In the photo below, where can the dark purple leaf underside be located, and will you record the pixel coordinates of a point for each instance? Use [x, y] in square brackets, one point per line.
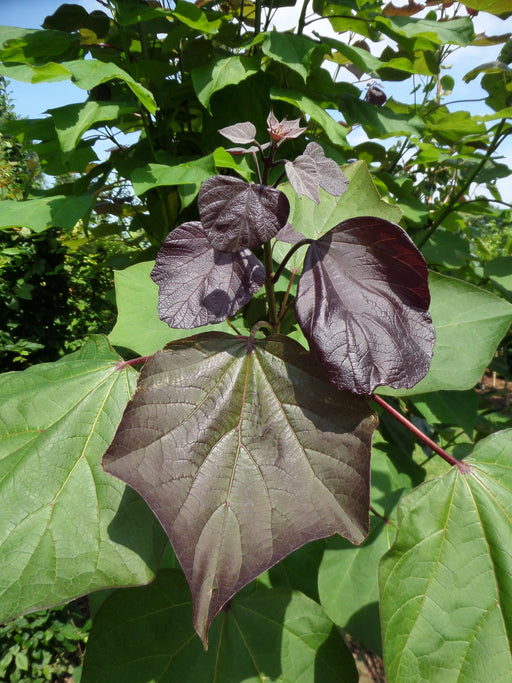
[362, 304]
[199, 285]
[236, 214]
[243, 457]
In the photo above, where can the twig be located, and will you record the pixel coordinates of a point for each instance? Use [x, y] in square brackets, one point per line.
[464, 468]
[120, 365]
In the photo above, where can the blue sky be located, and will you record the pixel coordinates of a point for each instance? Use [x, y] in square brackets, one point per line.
[34, 99]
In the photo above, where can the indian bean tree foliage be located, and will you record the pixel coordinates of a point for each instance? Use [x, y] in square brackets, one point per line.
[280, 440]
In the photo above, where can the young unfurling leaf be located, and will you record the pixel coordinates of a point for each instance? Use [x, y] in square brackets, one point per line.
[313, 170]
[284, 129]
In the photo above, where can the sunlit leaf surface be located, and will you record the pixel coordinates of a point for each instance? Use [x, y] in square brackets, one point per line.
[199, 285]
[66, 527]
[446, 584]
[362, 304]
[244, 453]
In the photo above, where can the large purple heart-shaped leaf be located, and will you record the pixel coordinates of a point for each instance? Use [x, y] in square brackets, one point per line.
[244, 452]
[199, 285]
[236, 214]
[362, 304]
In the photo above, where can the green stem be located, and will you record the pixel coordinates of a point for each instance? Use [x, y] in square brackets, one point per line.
[302, 18]
[269, 286]
[292, 251]
[454, 196]
[284, 305]
[399, 154]
[257, 17]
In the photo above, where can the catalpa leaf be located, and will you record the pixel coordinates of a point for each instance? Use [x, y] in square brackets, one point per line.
[313, 170]
[66, 528]
[240, 133]
[330, 175]
[289, 234]
[304, 177]
[362, 304]
[244, 453]
[446, 584]
[348, 586]
[199, 285]
[236, 214]
[269, 634]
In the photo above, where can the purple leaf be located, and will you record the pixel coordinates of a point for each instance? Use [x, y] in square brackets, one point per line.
[243, 454]
[241, 133]
[290, 235]
[284, 129]
[331, 177]
[199, 285]
[304, 177]
[362, 304]
[312, 170]
[236, 214]
[238, 151]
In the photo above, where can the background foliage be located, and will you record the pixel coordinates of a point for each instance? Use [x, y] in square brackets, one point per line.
[90, 192]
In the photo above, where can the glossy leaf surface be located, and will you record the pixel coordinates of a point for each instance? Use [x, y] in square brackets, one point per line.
[243, 456]
[199, 285]
[216, 75]
[187, 173]
[446, 584]
[268, 634]
[291, 50]
[193, 16]
[67, 528]
[86, 74]
[313, 220]
[138, 326]
[72, 120]
[362, 304]
[236, 214]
